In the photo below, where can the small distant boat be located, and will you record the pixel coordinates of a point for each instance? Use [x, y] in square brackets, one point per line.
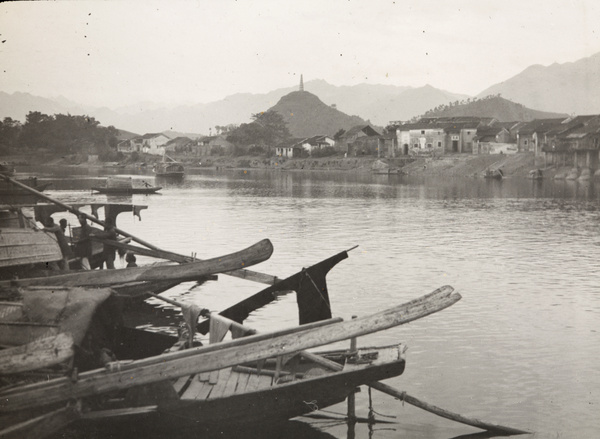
[128, 191]
[536, 174]
[169, 168]
[124, 185]
[496, 174]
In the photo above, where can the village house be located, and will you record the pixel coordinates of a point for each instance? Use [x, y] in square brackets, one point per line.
[316, 142]
[214, 145]
[529, 133]
[438, 135]
[494, 140]
[151, 143]
[359, 140]
[180, 144]
[127, 146]
[460, 135]
[290, 149]
[576, 143]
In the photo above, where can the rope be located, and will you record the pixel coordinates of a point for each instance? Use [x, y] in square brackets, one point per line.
[318, 290]
[372, 412]
[312, 405]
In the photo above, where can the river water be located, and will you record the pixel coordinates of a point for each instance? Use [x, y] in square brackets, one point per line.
[521, 347]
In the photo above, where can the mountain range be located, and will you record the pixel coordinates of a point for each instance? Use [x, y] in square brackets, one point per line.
[567, 88]
[572, 88]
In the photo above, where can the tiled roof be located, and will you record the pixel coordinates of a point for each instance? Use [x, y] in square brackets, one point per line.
[539, 126]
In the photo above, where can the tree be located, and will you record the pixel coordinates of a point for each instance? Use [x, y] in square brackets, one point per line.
[64, 133]
[268, 128]
[10, 130]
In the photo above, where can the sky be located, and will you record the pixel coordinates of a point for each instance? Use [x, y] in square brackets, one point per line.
[117, 53]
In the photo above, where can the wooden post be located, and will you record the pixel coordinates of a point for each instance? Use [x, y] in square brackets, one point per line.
[352, 396]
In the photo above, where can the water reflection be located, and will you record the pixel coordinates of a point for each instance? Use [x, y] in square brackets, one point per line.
[520, 348]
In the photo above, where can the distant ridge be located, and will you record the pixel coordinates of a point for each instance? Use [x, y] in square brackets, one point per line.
[306, 115]
[497, 107]
[570, 87]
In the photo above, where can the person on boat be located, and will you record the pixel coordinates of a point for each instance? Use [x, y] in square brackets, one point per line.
[51, 227]
[108, 251]
[130, 259]
[63, 225]
[83, 248]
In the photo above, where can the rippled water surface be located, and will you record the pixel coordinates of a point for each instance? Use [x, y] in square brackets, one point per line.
[521, 347]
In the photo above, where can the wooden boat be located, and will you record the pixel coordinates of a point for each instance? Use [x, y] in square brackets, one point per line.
[169, 168]
[252, 255]
[122, 375]
[495, 174]
[26, 249]
[536, 174]
[128, 191]
[124, 185]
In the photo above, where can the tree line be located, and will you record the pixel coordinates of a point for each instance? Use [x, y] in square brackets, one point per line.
[59, 133]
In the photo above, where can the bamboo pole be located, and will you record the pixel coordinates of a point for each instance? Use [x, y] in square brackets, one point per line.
[403, 396]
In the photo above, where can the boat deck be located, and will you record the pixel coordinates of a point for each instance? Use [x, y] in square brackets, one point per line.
[240, 380]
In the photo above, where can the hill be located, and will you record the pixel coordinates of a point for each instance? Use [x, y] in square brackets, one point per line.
[499, 108]
[378, 103]
[306, 115]
[570, 87]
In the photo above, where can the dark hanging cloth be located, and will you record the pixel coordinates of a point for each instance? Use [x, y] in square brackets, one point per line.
[311, 294]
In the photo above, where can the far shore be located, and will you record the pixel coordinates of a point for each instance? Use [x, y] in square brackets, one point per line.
[451, 165]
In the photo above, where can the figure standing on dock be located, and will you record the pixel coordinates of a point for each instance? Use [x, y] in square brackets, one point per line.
[83, 247]
[108, 251]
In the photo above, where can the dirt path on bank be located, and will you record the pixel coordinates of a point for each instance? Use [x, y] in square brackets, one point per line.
[456, 165]
[472, 165]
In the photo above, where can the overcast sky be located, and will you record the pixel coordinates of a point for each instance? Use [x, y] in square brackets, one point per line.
[118, 53]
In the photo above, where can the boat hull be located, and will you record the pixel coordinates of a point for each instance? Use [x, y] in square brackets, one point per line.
[245, 400]
[27, 246]
[127, 191]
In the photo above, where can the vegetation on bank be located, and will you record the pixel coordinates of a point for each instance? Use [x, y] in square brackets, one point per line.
[59, 135]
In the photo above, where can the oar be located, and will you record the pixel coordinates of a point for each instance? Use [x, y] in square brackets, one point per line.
[163, 254]
[403, 396]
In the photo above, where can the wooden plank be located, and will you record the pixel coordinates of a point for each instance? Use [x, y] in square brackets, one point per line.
[242, 381]
[19, 246]
[194, 389]
[213, 377]
[10, 311]
[171, 366]
[252, 255]
[41, 426]
[219, 386]
[263, 382]
[231, 385]
[38, 354]
[119, 413]
[180, 383]
[20, 333]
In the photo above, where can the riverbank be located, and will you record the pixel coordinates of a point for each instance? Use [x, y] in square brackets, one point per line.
[452, 165]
